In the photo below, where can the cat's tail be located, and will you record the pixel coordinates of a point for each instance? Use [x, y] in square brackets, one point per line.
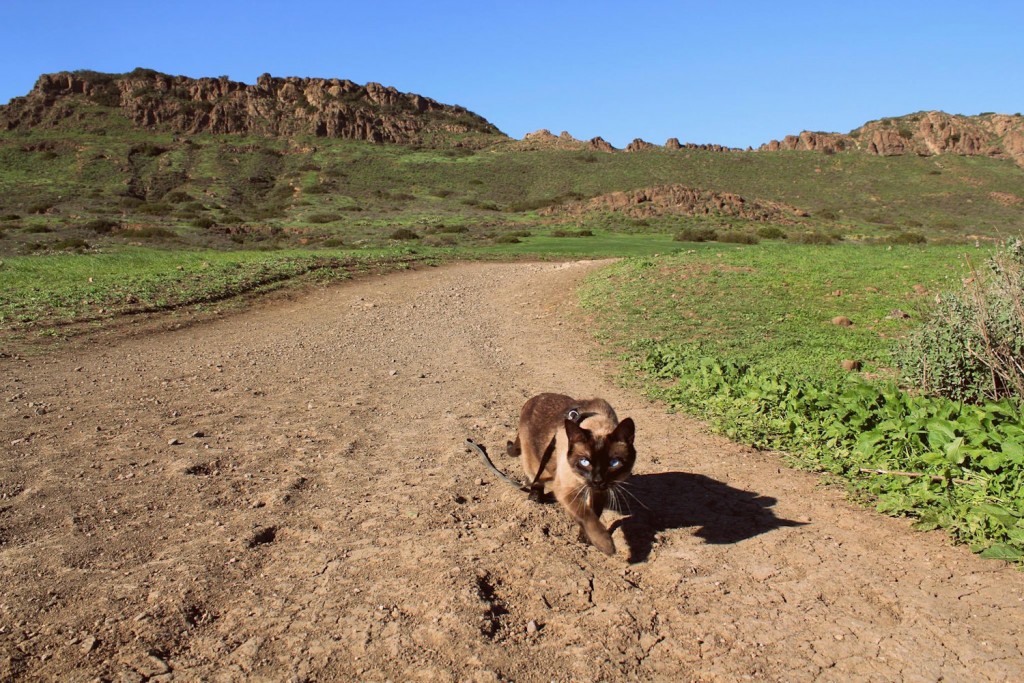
[473, 445]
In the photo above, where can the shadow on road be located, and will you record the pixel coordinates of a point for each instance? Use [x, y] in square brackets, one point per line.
[674, 500]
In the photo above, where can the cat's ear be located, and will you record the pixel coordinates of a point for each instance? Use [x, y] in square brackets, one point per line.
[625, 431]
[574, 431]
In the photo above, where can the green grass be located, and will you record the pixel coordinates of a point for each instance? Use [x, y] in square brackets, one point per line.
[771, 305]
[126, 175]
[43, 292]
[742, 338]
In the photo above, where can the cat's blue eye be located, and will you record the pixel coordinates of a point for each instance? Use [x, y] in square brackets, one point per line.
[614, 463]
[584, 462]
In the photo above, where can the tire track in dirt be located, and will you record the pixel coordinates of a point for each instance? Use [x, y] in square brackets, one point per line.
[284, 494]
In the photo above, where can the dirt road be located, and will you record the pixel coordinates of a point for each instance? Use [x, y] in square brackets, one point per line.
[284, 494]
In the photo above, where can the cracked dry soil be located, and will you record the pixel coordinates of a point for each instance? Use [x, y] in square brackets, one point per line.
[284, 494]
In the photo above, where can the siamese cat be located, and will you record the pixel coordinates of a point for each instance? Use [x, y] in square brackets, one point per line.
[581, 451]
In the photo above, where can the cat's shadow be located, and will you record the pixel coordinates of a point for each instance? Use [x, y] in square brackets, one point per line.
[676, 500]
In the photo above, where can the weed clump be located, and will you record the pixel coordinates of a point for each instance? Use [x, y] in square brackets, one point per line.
[404, 234]
[321, 218]
[693, 234]
[813, 238]
[101, 226]
[738, 237]
[972, 347]
[771, 232]
[907, 238]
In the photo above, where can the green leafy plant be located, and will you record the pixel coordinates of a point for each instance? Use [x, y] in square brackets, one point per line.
[972, 346]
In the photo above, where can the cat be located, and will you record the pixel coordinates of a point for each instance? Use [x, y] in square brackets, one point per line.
[586, 453]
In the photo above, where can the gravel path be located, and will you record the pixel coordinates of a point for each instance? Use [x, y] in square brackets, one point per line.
[284, 494]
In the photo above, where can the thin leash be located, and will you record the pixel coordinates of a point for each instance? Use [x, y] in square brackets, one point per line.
[536, 487]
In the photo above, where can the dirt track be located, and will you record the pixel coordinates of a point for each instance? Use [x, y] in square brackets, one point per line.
[284, 495]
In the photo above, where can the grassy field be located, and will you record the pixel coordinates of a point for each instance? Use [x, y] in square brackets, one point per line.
[78, 191]
[772, 305]
[743, 337]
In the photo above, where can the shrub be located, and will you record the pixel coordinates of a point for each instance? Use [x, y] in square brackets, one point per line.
[40, 207]
[828, 214]
[10, 217]
[177, 197]
[738, 237]
[37, 228]
[101, 226]
[771, 232]
[322, 217]
[404, 234]
[333, 242]
[813, 238]
[506, 239]
[452, 229]
[204, 222]
[907, 238]
[692, 234]
[151, 232]
[971, 347]
[441, 241]
[72, 243]
[154, 208]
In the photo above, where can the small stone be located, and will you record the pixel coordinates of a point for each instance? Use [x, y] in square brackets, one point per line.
[174, 442]
[842, 321]
[531, 627]
[838, 292]
[897, 314]
[88, 644]
[393, 373]
[198, 435]
[479, 481]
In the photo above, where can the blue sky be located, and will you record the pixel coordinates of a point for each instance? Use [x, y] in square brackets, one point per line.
[732, 73]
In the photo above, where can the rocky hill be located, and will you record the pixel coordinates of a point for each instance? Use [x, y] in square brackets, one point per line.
[272, 107]
[924, 133]
[680, 200]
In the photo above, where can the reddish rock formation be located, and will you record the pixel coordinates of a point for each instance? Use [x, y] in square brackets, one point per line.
[544, 139]
[925, 133]
[639, 145]
[683, 201]
[272, 107]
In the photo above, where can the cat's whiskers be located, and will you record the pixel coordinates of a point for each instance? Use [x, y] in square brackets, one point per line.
[623, 486]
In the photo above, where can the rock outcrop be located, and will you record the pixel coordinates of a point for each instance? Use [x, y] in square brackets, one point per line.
[272, 107]
[639, 145]
[680, 200]
[545, 139]
[924, 133]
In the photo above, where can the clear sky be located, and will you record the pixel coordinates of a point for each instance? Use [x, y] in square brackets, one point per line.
[732, 73]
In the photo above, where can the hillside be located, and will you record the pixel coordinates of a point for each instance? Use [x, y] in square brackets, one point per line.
[92, 161]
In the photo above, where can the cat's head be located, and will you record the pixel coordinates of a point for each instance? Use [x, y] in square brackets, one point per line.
[601, 460]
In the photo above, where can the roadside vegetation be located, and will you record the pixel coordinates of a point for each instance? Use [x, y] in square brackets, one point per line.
[754, 339]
